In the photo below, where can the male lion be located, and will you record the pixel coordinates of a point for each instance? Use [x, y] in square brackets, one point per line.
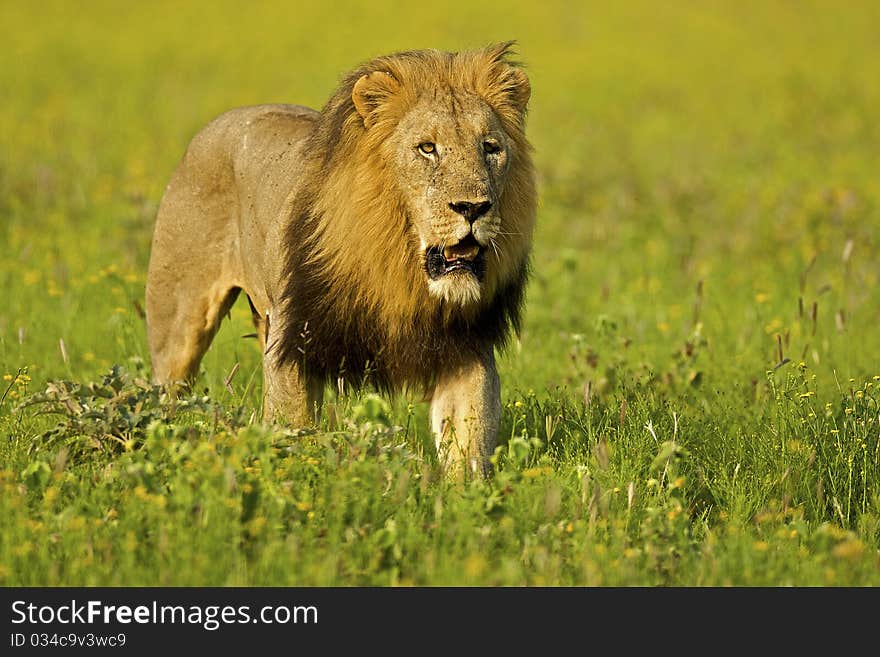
[384, 240]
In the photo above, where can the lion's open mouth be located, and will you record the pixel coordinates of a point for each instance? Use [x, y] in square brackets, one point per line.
[465, 257]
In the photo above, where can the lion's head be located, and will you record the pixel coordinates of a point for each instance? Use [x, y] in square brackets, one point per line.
[451, 133]
[446, 148]
[422, 196]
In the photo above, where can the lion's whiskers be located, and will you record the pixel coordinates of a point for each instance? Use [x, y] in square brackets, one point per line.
[495, 248]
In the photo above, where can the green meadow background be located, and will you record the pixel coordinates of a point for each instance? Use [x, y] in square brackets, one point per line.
[693, 399]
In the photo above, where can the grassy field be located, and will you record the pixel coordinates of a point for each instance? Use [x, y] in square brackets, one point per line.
[694, 399]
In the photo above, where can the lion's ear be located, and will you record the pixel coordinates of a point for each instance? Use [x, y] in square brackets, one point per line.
[518, 87]
[510, 86]
[506, 87]
[371, 91]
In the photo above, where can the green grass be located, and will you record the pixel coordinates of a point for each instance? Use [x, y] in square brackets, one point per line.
[705, 266]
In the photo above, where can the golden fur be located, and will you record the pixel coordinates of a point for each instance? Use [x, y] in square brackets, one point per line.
[333, 223]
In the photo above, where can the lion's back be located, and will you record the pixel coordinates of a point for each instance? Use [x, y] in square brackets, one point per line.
[227, 192]
[246, 138]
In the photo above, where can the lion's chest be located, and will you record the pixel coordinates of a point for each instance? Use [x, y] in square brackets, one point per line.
[333, 334]
[363, 349]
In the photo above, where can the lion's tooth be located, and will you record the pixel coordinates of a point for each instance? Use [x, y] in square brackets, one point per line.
[458, 252]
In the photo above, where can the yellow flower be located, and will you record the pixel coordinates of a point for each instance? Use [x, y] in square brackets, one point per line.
[774, 326]
[761, 546]
[474, 565]
[762, 297]
[849, 549]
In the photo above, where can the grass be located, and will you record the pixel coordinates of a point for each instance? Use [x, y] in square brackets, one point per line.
[693, 400]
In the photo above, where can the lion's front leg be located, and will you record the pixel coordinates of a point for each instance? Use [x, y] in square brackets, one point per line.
[289, 395]
[465, 412]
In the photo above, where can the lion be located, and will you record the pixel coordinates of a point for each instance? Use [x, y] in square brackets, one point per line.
[382, 241]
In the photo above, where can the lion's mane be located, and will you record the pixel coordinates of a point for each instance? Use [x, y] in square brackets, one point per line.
[356, 303]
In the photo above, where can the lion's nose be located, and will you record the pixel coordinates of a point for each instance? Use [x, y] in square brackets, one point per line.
[470, 210]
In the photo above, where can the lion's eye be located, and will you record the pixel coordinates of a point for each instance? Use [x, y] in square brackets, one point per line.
[428, 148]
[491, 147]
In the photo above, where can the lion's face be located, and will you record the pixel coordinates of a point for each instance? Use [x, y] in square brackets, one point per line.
[450, 156]
[441, 157]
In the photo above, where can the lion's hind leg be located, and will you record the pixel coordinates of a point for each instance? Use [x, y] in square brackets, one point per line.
[182, 319]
